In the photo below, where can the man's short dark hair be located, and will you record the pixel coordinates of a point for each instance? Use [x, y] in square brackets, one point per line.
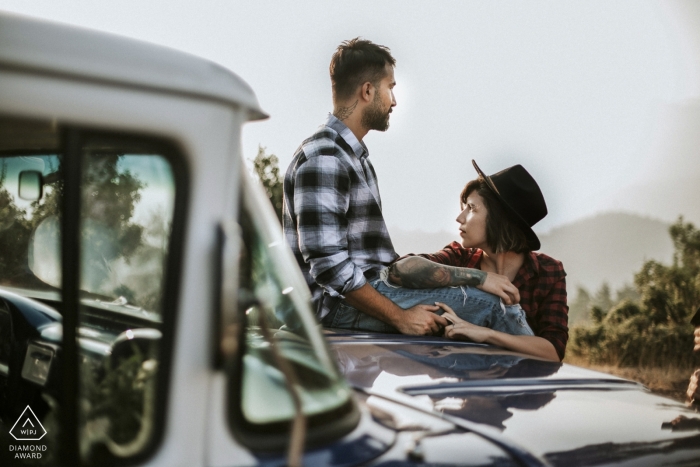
[355, 62]
[502, 233]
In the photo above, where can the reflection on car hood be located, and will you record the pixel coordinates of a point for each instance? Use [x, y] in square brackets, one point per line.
[567, 415]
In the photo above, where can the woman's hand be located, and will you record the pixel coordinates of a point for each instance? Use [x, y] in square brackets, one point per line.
[530, 345]
[500, 286]
[697, 339]
[460, 329]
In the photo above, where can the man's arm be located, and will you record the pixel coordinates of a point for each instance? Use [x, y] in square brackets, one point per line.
[418, 320]
[321, 199]
[416, 272]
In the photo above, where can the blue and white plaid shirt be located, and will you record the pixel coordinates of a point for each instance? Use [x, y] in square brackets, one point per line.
[333, 215]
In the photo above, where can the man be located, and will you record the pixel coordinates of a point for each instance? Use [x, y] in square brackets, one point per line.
[332, 208]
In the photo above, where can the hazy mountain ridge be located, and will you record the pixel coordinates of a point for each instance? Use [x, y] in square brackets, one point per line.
[608, 247]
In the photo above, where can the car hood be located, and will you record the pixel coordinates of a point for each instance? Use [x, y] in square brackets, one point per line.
[561, 413]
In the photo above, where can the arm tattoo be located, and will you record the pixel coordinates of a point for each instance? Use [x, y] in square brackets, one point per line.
[341, 113]
[416, 272]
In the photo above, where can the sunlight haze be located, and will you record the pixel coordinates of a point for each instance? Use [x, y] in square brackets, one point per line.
[578, 92]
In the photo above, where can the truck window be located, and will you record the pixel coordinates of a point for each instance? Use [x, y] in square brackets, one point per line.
[274, 300]
[5, 344]
[126, 223]
[127, 207]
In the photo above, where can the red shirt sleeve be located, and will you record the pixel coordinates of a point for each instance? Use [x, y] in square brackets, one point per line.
[553, 317]
[452, 255]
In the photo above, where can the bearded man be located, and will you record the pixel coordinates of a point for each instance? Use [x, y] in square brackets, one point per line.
[332, 212]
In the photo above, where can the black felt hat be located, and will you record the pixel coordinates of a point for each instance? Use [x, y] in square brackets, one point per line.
[520, 195]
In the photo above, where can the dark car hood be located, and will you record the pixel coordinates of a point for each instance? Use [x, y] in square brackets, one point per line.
[567, 415]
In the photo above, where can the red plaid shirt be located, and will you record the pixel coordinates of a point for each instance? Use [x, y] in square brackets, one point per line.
[542, 285]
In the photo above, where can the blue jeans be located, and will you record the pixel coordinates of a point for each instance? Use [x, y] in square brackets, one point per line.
[470, 304]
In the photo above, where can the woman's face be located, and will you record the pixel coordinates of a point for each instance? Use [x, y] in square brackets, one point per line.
[472, 222]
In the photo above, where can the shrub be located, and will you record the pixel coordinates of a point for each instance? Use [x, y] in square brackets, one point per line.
[653, 331]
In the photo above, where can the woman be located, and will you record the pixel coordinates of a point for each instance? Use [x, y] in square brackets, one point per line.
[495, 225]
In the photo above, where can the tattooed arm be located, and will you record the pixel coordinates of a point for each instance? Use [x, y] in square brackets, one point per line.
[416, 272]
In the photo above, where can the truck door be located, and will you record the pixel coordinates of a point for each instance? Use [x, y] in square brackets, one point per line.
[91, 234]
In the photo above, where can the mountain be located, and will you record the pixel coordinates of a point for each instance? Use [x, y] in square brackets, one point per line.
[608, 247]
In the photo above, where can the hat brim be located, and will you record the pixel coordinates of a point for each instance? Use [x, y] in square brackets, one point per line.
[533, 243]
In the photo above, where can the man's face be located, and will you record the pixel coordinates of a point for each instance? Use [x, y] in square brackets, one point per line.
[376, 115]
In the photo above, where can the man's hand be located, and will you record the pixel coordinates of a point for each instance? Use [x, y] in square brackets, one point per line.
[421, 320]
[697, 339]
[500, 286]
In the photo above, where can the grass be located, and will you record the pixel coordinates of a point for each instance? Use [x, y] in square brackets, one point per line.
[670, 382]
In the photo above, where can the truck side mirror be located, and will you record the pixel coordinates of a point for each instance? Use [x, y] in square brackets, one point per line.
[31, 185]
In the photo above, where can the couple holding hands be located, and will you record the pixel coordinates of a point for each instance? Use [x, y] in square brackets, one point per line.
[491, 287]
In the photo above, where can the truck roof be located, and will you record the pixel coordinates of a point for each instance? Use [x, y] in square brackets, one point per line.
[28, 44]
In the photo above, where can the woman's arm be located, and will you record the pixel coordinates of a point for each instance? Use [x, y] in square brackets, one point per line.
[531, 345]
[416, 272]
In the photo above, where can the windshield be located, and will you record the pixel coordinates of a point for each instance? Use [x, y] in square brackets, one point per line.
[126, 215]
[281, 337]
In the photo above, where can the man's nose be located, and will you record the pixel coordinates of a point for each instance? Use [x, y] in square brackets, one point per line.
[393, 99]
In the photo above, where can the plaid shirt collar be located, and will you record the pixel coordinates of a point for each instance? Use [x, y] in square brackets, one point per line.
[527, 271]
[358, 147]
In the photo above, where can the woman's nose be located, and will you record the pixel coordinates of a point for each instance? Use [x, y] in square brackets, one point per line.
[460, 217]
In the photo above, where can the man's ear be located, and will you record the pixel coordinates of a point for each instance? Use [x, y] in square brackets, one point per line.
[367, 92]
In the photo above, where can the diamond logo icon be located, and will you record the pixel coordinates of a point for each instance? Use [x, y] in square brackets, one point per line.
[28, 427]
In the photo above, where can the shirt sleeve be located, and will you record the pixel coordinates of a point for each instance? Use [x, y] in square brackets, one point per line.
[322, 199]
[553, 319]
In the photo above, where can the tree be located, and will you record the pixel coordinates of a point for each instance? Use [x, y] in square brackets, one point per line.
[109, 197]
[579, 309]
[649, 326]
[266, 167]
[14, 235]
[603, 298]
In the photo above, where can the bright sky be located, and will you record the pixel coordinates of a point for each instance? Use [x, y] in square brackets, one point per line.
[571, 90]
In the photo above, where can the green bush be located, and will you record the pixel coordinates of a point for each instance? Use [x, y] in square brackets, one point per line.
[648, 326]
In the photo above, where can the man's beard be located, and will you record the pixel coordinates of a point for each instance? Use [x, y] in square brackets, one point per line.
[374, 117]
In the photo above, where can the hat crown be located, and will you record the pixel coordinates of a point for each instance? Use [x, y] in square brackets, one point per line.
[521, 193]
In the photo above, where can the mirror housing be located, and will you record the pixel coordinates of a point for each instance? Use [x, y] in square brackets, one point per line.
[31, 185]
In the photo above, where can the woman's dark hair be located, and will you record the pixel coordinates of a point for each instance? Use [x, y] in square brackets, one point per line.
[355, 62]
[502, 232]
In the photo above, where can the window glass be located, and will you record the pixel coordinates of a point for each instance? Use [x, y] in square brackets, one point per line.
[275, 302]
[5, 342]
[126, 220]
[128, 195]
[25, 146]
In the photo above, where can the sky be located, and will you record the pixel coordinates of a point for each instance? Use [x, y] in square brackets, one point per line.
[573, 90]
